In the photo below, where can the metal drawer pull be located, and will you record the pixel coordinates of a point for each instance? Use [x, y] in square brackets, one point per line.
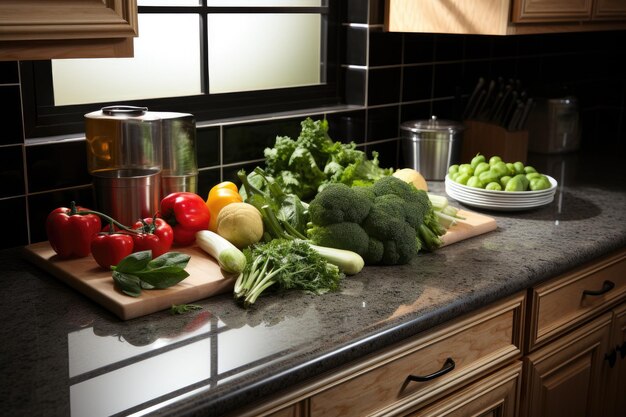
[611, 358]
[606, 287]
[447, 367]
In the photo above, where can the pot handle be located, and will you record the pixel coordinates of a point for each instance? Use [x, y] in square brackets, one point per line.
[124, 110]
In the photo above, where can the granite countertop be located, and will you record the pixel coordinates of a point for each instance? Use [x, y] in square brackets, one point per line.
[62, 354]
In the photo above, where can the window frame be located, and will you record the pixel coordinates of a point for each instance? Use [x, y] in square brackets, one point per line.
[43, 119]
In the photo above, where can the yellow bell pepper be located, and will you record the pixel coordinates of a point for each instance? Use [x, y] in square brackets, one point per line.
[220, 196]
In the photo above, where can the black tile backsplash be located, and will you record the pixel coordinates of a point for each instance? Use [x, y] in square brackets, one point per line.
[9, 72]
[208, 147]
[57, 165]
[12, 174]
[15, 231]
[10, 115]
[383, 85]
[246, 142]
[388, 77]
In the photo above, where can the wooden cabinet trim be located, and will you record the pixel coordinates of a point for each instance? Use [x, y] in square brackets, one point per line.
[544, 328]
[55, 29]
[541, 11]
[67, 19]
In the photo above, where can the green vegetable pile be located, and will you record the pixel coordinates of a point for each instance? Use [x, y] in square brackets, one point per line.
[386, 223]
[139, 271]
[283, 264]
[304, 166]
[498, 175]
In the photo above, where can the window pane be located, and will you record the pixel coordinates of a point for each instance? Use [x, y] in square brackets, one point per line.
[166, 64]
[265, 3]
[263, 51]
[168, 2]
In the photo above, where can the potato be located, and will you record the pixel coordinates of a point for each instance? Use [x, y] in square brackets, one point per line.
[412, 177]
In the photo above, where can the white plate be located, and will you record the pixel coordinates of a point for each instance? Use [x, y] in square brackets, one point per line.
[500, 200]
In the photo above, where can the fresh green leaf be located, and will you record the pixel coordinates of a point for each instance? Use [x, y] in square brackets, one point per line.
[134, 262]
[128, 284]
[176, 259]
[162, 277]
[138, 271]
[184, 308]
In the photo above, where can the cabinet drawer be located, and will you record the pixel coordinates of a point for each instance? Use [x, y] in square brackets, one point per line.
[567, 301]
[380, 385]
[496, 394]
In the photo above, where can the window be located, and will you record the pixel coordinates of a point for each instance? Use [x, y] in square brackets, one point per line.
[211, 58]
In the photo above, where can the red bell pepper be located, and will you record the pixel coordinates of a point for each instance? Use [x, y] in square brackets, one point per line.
[156, 236]
[187, 213]
[70, 233]
[110, 248]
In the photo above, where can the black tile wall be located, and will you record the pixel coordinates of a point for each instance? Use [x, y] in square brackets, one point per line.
[388, 77]
[45, 172]
[10, 115]
[12, 174]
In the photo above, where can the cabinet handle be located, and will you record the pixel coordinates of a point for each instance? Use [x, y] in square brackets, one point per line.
[606, 287]
[622, 350]
[447, 367]
[611, 357]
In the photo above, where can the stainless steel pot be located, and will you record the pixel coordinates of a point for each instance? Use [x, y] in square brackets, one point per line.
[431, 146]
[137, 157]
[124, 159]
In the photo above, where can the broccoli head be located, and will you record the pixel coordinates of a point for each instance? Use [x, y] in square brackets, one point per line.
[345, 235]
[386, 223]
[338, 203]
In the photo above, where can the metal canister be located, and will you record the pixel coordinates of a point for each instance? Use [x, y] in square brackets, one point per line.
[554, 126]
[431, 146]
[179, 167]
[124, 155]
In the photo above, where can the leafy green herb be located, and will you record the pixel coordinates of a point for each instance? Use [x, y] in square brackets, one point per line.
[139, 271]
[284, 264]
[183, 308]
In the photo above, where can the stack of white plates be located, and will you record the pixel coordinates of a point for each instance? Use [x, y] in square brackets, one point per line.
[500, 200]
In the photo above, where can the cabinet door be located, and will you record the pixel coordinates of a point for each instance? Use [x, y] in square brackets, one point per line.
[46, 29]
[565, 377]
[542, 11]
[609, 10]
[493, 395]
[616, 403]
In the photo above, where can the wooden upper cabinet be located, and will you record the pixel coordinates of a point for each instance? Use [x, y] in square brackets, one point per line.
[609, 10]
[537, 11]
[504, 17]
[46, 29]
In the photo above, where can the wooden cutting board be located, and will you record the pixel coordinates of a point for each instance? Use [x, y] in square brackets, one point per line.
[474, 224]
[205, 279]
[205, 276]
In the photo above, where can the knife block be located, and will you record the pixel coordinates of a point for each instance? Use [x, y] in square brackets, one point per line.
[489, 139]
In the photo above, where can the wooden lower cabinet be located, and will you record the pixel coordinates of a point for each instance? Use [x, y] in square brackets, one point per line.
[616, 387]
[565, 377]
[496, 395]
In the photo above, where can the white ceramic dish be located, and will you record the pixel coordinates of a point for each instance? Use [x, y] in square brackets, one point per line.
[500, 200]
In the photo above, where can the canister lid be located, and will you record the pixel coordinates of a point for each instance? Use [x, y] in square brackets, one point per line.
[432, 125]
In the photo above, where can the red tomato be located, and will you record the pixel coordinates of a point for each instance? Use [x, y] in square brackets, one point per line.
[157, 237]
[110, 248]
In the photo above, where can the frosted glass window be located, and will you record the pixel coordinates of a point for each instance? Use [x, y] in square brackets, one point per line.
[168, 2]
[166, 64]
[263, 51]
